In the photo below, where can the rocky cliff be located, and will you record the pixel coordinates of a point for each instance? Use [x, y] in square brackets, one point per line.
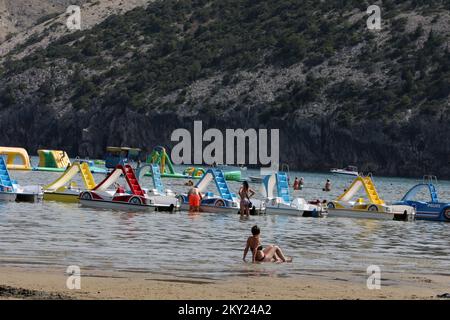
[20, 15]
[339, 93]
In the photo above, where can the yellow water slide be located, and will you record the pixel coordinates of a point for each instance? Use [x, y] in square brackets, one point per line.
[369, 188]
[12, 154]
[69, 174]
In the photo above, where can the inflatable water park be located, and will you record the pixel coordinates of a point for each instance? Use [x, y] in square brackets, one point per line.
[160, 157]
[49, 160]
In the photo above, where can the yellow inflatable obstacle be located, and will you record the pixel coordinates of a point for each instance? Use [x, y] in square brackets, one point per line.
[12, 154]
[53, 159]
[194, 172]
[59, 191]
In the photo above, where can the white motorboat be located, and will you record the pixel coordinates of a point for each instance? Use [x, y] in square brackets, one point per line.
[347, 171]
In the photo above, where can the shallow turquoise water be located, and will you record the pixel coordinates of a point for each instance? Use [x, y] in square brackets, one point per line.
[211, 245]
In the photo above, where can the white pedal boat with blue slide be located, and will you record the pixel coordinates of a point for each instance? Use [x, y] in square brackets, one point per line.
[224, 202]
[10, 190]
[158, 195]
[282, 203]
[7, 194]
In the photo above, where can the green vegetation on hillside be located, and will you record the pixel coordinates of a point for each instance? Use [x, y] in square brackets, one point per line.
[133, 60]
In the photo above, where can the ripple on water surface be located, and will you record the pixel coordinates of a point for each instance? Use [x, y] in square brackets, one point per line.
[211, 245]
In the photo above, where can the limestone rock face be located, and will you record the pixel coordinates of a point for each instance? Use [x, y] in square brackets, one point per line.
[138, 70]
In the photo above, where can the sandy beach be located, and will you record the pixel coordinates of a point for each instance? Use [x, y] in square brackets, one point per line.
[21, 283]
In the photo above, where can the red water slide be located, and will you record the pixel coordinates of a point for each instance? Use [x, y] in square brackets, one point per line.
[130, 177]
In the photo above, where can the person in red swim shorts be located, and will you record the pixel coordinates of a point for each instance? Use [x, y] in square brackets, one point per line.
[195, 198]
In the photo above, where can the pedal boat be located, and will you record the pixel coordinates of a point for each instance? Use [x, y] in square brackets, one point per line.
[224, 202]
[64, 189]
[282, 203]
[157, 193]
[371, 208]
[134, 199]
[431, 210]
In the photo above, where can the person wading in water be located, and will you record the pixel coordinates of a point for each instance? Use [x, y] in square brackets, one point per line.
[245, 193]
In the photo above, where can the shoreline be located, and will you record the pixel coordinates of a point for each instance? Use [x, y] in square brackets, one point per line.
[48, 284]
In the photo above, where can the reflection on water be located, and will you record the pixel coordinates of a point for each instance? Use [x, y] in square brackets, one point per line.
[211, 245]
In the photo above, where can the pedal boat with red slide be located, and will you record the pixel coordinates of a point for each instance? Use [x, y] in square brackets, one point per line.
[132, 199]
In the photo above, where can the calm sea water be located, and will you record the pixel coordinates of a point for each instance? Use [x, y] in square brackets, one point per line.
[211, 245]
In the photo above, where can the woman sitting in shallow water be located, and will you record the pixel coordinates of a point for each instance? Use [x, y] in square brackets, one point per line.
[259, 254]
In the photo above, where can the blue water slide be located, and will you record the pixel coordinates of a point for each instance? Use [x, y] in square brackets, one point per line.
[222, 185]
[283, 187]
[433, 193]
[156, 177]
[220, 181]
[5, 178]
[411, 194]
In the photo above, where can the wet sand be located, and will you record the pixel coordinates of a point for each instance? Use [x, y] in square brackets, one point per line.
[22, 283]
